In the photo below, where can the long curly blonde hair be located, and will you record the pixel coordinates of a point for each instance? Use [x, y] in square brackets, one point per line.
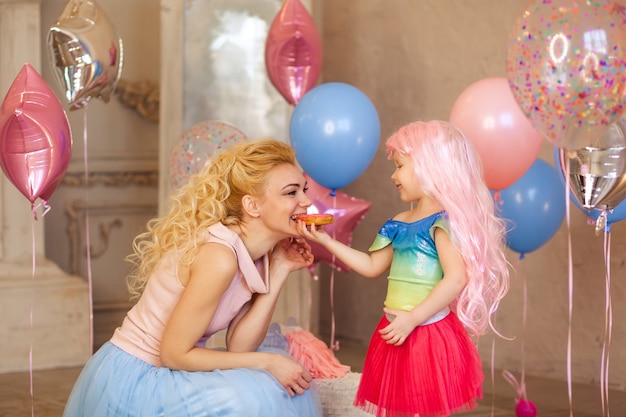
[212, 195]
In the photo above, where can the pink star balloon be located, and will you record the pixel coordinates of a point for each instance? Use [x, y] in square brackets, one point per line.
[348, 212]
[293, 51]
[35, 137]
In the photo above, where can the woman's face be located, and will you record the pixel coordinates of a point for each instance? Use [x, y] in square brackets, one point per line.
[284, 197]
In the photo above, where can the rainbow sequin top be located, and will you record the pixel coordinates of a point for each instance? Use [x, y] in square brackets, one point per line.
[415, 268]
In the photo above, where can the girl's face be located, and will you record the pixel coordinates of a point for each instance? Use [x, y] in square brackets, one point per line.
[405, 179]
[285, 196]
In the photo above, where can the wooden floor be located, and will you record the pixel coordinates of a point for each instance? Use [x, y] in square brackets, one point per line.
[51, 389]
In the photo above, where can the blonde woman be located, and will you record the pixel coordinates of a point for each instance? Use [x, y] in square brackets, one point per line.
[217, 260]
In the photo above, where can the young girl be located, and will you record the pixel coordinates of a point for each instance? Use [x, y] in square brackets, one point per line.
[218, 260]
[447, 270]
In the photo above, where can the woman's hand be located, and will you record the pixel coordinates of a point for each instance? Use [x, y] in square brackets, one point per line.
[396, 332]
[289, 373]
[293, 253]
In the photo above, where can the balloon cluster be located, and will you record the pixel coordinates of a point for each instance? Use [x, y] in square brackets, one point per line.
[526, 188]
[566, 79]
[566, 65]
[334, 128]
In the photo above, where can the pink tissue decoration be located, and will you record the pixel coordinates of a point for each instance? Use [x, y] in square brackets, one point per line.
[313, 354]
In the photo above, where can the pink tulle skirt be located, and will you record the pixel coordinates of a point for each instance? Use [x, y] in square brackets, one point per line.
[435, 372]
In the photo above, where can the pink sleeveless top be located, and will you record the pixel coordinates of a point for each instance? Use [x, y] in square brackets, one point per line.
[142, 329]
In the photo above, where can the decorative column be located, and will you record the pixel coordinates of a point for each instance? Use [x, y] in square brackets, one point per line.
[58, 333]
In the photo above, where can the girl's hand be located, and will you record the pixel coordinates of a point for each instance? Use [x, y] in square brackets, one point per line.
[399, 329]
[289, 373]
[313, 233]
[294, 253]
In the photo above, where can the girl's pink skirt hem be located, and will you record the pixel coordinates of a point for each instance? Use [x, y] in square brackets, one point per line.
[436, 372]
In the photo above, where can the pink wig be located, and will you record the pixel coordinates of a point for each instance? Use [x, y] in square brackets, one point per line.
[450, 171]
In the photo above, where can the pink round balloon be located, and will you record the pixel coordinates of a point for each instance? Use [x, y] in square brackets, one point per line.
[197, 145]
[35, 136]
[566, 62]
[293, 51]
[505, 139]
[348, 212]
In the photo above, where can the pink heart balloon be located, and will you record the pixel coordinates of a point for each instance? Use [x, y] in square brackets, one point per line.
[348, 212]
[293, 51]
[35, 136]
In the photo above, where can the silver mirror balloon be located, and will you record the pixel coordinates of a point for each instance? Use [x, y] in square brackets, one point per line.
[597, 173]
[85, 52]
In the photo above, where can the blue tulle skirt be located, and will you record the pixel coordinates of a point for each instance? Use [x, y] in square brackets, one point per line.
[114, 383]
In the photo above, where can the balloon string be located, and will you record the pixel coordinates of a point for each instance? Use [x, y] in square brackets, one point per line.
[299, 306]
[570, 281]
[520, 387]
[32, 302]
[334, 345]
[493, 374]
[310, 308]
[523, 339]
[46, 207]
[34, 207]
[87, 234]
[608, 325]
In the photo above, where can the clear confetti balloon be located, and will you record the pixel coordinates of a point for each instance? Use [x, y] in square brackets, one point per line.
[197, 145]
[566, 65]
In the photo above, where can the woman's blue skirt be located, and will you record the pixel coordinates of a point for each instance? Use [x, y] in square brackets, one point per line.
[114, 383]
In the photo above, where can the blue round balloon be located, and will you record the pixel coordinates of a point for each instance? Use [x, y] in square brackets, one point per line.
[616, 214]
[534, 207]
[335, 131]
